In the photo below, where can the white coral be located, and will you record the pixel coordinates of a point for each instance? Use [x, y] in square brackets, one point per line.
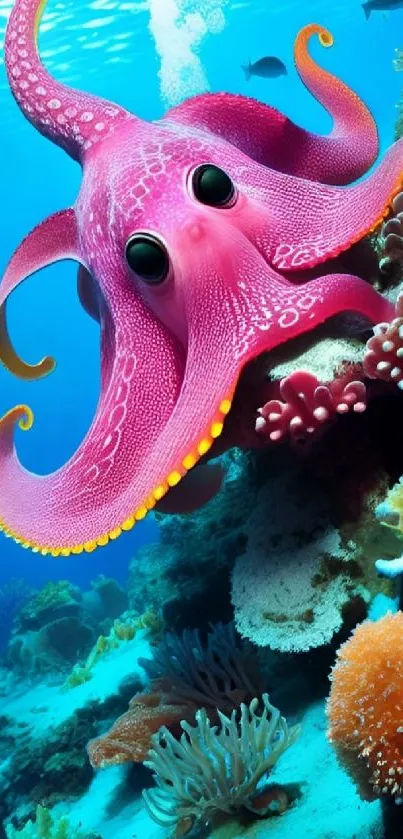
[291, 584]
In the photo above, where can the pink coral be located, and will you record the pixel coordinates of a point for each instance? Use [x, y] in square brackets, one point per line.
[384, 354]
[306, 404]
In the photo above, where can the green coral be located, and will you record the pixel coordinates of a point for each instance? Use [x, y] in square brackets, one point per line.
[52, 594]
[124, 629]
[46, 826]
[82, 673]
[55, 599]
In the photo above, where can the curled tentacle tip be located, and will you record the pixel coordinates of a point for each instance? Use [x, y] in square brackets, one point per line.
[21, 414]
[26, 420]
[326, 38]
[33, 372]
[45, 366]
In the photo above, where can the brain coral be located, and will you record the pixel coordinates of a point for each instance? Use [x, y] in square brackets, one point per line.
[365, 707]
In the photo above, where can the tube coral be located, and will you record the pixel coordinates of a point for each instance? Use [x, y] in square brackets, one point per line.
[365, 707]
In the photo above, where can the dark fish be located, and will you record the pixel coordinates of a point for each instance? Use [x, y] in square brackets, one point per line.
[268, 67]
[381, 6]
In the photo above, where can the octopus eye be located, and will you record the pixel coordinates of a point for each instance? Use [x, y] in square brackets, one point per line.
[147, 258]
[213, 186]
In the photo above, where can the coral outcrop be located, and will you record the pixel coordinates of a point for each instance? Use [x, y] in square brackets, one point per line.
[59, 624]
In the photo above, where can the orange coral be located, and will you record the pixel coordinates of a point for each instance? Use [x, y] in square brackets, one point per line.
[365, 706]
[130, 736]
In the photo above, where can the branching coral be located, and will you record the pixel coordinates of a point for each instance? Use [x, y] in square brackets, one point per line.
[306, 404]
[366, 704]
[215, 768]
[384, 354]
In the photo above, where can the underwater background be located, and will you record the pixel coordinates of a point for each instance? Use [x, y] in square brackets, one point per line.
[74, 631]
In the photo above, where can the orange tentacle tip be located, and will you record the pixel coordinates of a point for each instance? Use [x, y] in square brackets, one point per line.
[21, 414]
[326, 38]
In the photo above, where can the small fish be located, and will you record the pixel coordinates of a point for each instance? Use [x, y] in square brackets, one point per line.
[268, 67]
[381, 6]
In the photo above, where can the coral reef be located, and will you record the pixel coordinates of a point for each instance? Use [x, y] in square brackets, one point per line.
[365, 707]
[383, 359]
[190, 593]
[49, 649]
[55, 600]
[47, 826]
[218, 768]
[44, 732]
[184, 676]
[124, 629]
[391, 510]
[390, 240]
[314, 576]
[129, 738]
[113, 599]
[13, 595]
[221, 670]
[60, 623]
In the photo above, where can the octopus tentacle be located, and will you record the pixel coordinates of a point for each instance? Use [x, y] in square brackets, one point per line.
[352, 146]
[292, 232]
[90, 499]
[51, 241]
[272, 139]
[130, 457]
[72, 119]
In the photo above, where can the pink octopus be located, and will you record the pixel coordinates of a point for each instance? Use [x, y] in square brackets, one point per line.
[204, 240]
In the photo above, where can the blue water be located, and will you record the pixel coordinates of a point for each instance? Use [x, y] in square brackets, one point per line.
[108, 48]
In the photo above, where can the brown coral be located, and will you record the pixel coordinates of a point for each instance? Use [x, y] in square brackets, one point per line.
[130, 736]
[365, 706]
